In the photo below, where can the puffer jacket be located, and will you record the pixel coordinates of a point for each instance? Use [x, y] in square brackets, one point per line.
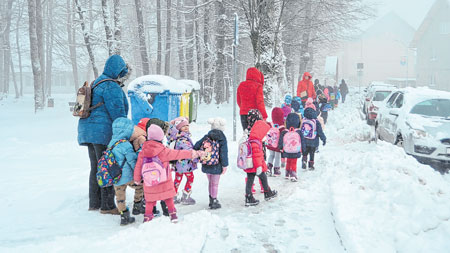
[124, 153]
[277, 121]
[306, 85]
[97, 128]
[215, 135]
[184, 142]
[138, 138]
[292, 121]
[258, 132]
[250, 93]
[312, 114]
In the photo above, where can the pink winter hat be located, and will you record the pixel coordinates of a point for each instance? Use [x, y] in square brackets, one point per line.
[181, 123]
[155, 133]
[309, 104]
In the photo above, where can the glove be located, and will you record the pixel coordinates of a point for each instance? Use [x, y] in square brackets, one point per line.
[195, 154]
[258, 170]
[137, 183]
[224, 169]
[324, 142]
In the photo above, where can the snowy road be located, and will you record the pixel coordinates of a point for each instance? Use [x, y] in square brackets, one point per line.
[362, 197]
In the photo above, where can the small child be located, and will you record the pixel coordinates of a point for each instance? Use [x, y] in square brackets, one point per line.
[257, 134]
[213, 172]
[274, 161]
[311, 131]
[287, 101]
[292, 143]
[162, 190]
[297, 107]
[186, 167]
[253, 116]
[126, 157]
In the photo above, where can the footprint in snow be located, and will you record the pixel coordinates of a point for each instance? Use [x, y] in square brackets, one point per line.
[270, 248]
[280, 223]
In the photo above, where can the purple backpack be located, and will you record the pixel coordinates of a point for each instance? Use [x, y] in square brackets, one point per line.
[185, 165]
[292, 142]
[309, 128]
[153, 171]
[273, 137]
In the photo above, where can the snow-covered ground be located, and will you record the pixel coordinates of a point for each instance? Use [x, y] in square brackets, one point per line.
[362, 197]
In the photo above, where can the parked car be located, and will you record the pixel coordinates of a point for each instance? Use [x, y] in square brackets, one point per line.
[418, 119]
[365, 98]
[377, 99]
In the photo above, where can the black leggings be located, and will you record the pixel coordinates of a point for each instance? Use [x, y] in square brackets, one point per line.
[251, 179]
[309, 150]
[244, 122]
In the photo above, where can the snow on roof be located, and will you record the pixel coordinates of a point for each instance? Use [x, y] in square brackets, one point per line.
[192, 83]
[157, 84]
[331, 65]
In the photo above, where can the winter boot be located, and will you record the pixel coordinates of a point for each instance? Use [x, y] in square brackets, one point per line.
[176, 200]
[138, 208]
[311, 165]
[148, 218]
[269, 170]
[214, 203]
[304, 162]
[164, 208]
[293, 176]
[173, 218]
[250, 200]
[156, 212]
[113, 211]
[125, 218]
[288, 174]
[276, 171]
[186, 198]
[270, 194]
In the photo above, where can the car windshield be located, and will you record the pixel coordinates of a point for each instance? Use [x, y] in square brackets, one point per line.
[433, 108]
[381, 95]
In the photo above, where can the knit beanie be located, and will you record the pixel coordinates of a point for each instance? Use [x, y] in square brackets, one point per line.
[310, 104]
[296, 106]
[143, 123]
[155, 133]
[288, 99]
[180, 124]
[217, 123]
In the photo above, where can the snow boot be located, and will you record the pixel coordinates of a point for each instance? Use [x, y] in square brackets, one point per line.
[156, 212]
[214, 203]
[186, 198]
[113, 211]
[276, 171]
[148, 218]
[311, 165]
[173, 218]
[138, 208]
[176, 200]
[125, 218]
[269, 170]
[250, 200]
[293, 176]
[288, 174]
[304, 163]
[164, 208]
[270, 194]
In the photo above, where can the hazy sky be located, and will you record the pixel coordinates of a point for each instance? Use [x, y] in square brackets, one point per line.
[412, 11]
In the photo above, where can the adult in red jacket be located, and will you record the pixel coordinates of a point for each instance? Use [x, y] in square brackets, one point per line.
[305, 88]
[250, 95]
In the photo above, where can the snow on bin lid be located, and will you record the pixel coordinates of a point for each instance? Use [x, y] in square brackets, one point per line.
[157, 84]
[192, 83]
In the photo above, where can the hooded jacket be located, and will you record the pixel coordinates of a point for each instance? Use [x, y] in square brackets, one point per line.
[258, 132]
[306, 85]
[164, 190]
[97, 128]
[312, 114]
[123, 129]
[184, 142]
[250, 93]
[277, 120]
[216, 135]
[343, 88]
[292, 121]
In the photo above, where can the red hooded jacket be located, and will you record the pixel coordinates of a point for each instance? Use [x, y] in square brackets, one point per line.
[250, 93]
[306, 85]
[258, 132]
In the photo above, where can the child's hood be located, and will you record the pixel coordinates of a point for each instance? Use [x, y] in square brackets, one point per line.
[216, 135]
[122, 128]
[259, 130]
[138, 132]
[310, 113]
[152, 148]
[292, 120]
[278, 116]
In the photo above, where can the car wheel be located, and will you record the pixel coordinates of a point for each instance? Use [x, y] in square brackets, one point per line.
[399, 140]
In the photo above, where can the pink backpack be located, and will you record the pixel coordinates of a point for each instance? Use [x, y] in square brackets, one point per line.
[153, 171]
[245, 154]
[273, 136]
[292, 143]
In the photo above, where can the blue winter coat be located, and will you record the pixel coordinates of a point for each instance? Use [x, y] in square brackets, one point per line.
[97, 128]
[292, 121]
[216, 135]
[312, 114]
[123, 129]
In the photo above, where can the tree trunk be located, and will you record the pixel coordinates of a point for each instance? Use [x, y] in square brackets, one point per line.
[220, 46]
[168, 38]
[206, 88]
[13, 73]
[117, 28]
[40, 41]
[86, 39]
[7, 47]
[35, 63]
[158, 31]
[189, 38]
[198, 44]
[49, 51]
[181, 40]
[304, 46]
[141, 33]
[19, 54]
[108, 31]
[71, 43]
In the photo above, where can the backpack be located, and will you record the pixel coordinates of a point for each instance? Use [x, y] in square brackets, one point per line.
[108, 171]
[184, 143]
[292, 143]
[309, 128]
[211, 147]
[153, 171]
[273, 137]
[82, 107]
[245, 154]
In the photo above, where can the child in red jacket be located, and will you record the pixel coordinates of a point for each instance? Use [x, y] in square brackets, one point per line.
[257, 134]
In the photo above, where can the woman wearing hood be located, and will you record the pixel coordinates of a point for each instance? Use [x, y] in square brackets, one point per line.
[305, 88]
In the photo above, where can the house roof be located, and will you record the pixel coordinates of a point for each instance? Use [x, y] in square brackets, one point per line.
[392, 24]
[429, 18]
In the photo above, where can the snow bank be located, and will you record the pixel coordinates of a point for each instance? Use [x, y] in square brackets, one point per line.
[157, 84]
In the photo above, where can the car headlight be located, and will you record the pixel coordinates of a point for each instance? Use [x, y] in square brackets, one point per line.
[417, 133]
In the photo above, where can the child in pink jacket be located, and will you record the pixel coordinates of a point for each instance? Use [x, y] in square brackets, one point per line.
[165, 190]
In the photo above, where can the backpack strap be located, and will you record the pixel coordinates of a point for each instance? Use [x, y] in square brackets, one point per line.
[93, 86]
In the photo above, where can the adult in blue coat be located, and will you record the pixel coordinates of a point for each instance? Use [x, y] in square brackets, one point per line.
[95, 131]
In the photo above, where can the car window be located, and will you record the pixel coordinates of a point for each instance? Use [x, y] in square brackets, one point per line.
[381, 95]
[399, 101]
[391, 100]
[433, 108]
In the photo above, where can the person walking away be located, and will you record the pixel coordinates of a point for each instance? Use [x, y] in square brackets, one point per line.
[95, 131]
[344, 90]
[253, 116]
[214, 171]
[305, 88]
[311, 132]
[291, 143]
[274, 161]
[250, 95]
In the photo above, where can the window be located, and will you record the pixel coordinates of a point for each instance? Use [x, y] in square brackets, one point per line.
[433, 108]
[433, 80]
[399, 101]
[381, 95]
[391, 100]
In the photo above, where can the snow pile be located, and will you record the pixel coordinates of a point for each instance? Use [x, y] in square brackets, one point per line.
[157, 84]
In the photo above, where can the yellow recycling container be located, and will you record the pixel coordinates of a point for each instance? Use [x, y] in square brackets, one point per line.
[184, 105]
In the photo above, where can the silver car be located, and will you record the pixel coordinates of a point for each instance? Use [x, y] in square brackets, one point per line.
[419, 121]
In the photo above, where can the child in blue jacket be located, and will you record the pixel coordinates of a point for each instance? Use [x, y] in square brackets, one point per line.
[311, 131]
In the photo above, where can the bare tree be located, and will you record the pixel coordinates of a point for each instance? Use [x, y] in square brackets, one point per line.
[141, 33]
[108, 32]
[40, 40]
[220, 58]
[206, 87]
[159, 34]
[168, 37]
[6, 47]
[189, 41]
[20, 7]
[198, 43]
[117, 28]
[180, 38]
[72, 43]
[49, 47]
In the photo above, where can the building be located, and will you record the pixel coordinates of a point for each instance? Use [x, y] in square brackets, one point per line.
[432, 43]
